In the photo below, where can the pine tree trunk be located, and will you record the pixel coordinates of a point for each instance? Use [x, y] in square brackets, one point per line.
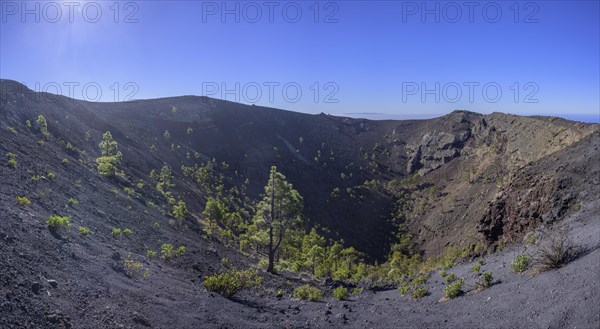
[270, 269]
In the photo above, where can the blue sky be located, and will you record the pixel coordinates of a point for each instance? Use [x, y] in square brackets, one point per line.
[361, 58]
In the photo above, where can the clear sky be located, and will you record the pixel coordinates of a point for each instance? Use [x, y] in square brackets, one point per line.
[375, 59]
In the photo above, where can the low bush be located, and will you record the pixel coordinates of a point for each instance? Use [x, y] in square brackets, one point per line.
[231, 282]
[420, 280]
[521, 263]
[485, 280]
[168, 251]
[151, 253]
[476, 268]
[357, 291]
[420, 292]
[556, 253]
[403, 289]
[51, 176]
[73, 202]
[84, 231]
[452, 290]
[23, 201]
[134, 268]
[451, 277]
[59, 222]
[116, 232]
[12, 159]
[127, 232]
[306, 292]
[340, 293]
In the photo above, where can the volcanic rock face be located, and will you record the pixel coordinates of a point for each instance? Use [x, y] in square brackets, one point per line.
[543, 192]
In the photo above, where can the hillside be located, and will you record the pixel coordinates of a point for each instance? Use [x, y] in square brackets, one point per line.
[465, 181]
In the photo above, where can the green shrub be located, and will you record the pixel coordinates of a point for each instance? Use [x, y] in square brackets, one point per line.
[116, 232]
[59, 222]
[420, 280]
[521, 263]
[127, 232]
[65, 161]
[485, 281]
[41, 120]
[307, 292]
[224, 261]
[340, 293]
[151, 253]
[51, 176]
[404, 288]
[420, 292]
[451, 277]
[73, 202]
[134, 268]
[179, 210]
[168, 251]
[452, 290]
[12, 159]
[231, 282]
[443, 273]
[476, 268]
[35, 178]
[23, 201]
[84, 230]
[357, 291]
[28, 123]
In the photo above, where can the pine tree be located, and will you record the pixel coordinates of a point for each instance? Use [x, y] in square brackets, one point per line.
[278, 213]
[111, 157]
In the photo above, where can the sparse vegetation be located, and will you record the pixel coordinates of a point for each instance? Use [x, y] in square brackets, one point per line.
[23, 201]
[357, 291]
[116, 232]
[127, 232]
[306, 292]
[41, 121]
[340, 293]
[485, 280]
[59, 222]
[51, 176]
[151, 253]
[168, 251]
[476, 268]
[556, 252]
[134, 268]
[73, 202]
[453, 289]
[420, 292]
[231, 282]
[403, 288]
[84, 231]
[451, 277]
[180, 211]
[12, 159]
[521, 263]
